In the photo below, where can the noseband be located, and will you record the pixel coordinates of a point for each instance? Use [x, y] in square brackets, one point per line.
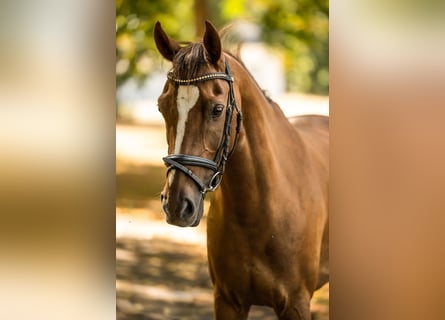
[217, 165]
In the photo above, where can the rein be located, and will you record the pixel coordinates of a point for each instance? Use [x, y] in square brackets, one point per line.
[217, 165]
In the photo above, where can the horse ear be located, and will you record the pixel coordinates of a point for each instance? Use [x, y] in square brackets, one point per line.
[212, 43]
[166, 46]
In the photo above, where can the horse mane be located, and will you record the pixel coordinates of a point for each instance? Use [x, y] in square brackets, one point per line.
[190, 60]
[238, 59]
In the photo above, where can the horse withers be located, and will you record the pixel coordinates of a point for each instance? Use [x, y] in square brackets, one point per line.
[267, 225]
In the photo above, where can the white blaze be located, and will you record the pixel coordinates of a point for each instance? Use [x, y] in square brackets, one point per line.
[185, 101]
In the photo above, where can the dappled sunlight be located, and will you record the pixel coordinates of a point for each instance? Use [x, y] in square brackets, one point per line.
[161, 278]
[145, 228]
[141, 145]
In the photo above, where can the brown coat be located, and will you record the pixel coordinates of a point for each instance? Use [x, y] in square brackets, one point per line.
[268, 225]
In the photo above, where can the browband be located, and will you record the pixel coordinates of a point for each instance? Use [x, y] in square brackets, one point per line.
[206, 77]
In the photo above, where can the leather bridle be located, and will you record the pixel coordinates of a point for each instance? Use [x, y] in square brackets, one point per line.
[217, 165]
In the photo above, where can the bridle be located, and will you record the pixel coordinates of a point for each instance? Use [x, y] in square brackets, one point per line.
[217, 165]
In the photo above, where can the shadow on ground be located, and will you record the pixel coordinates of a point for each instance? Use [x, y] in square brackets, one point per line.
[161, 279]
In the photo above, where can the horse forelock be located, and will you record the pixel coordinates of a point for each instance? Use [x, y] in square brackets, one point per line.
[189, 61]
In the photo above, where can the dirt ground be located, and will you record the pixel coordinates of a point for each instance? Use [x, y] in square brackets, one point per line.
[161, 270]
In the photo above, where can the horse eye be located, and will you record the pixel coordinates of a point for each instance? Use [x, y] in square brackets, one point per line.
[217, 110]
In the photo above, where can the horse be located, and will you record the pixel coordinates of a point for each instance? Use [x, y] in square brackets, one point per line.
[267, 225]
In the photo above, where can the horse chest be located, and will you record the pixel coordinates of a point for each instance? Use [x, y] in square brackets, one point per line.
[252, 271]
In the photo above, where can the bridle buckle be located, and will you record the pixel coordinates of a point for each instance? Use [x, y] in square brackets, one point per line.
[215, 181]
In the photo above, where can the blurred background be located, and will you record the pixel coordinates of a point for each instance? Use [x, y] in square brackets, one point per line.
[161, 270]
[58, 150]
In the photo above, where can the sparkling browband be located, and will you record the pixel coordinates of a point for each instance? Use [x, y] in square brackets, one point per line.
[210, 76]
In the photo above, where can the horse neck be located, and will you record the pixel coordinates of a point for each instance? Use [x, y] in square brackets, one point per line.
[265, 138]
[256, 108]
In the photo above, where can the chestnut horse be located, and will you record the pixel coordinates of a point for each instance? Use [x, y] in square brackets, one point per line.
[267, 226]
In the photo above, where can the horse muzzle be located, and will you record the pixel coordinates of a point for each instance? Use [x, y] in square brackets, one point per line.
[182, 210]
[182, 199]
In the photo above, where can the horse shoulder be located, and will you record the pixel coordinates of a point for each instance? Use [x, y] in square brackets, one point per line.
[314, 132]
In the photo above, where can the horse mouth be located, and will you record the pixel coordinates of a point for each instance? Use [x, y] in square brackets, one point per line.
[198, 217]
[191, 222]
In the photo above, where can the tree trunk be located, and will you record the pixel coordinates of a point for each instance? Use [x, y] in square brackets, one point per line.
[203, 11]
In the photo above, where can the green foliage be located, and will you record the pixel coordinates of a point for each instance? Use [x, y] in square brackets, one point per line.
[298, 28]
[301, 29]
[136, 54]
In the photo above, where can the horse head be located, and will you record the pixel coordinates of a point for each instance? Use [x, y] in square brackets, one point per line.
[197, 103]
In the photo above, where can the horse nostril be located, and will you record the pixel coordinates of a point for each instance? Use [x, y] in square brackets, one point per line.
[188, 209]
[162, 197]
